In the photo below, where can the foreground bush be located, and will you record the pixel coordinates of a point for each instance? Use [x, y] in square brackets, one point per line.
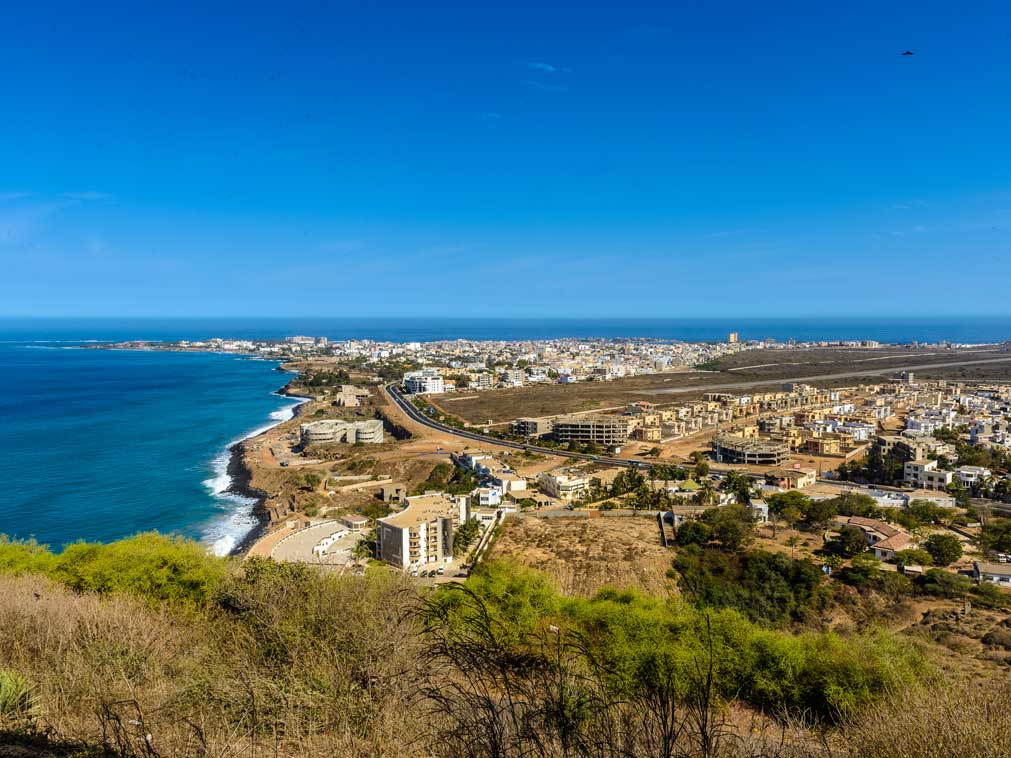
[209, 658]
[149, 565]
[625, 633]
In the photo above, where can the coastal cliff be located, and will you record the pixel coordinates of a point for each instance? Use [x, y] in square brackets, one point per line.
[242, 470]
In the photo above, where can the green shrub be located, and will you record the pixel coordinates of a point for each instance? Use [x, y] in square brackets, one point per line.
[17, 695]
[945, 549]
[150, 565]
[635, 638]
[946, 584]
[769, 588]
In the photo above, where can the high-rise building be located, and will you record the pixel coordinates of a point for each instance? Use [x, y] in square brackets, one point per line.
[733, 338]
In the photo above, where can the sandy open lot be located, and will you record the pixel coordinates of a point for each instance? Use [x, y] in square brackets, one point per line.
[584, 554]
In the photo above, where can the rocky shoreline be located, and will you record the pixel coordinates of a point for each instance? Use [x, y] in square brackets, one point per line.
[241, 476]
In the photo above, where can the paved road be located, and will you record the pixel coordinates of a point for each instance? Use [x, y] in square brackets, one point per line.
[822, 377]
[397, 396]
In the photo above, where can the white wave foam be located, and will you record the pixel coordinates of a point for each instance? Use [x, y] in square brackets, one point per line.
[237, 519]
[235, 522]
[221, 481]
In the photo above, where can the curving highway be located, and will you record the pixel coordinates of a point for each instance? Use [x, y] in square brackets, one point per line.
[397, 396]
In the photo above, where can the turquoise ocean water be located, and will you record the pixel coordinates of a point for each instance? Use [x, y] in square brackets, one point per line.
[98, 444]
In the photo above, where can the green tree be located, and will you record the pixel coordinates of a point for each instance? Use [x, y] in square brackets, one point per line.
[848, 542]
[791, 542]
[706, 494]
[925, 511]
[366, 547]
[819, 513]
[856, 504]
[464, 537]
[786, 506]
[780, 501]
[792, 516]
[732, 525]
[945, 549]
[996, 535]
[864, 570]
[739, 485]
[946, 584]
[914, 556]
[693, 533]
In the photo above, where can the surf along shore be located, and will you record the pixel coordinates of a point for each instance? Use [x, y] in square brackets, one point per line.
[241, 473]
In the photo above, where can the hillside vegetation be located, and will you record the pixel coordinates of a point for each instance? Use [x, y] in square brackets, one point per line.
[149, 646]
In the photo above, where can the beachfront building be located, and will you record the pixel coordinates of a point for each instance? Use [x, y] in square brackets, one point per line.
[422, 533]
[425, 382]
[606, 431]
[330, 431]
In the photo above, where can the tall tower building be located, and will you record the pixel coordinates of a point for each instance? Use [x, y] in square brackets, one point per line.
[733, 338]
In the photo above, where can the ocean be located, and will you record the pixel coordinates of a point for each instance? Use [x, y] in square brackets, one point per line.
[101, 444]
[98, 445]
[972, 329]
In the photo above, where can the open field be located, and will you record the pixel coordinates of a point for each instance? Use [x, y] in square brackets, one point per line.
[784, 364]
[584, 554]
[752, 370]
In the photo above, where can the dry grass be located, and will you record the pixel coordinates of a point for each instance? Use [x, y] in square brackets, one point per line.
[581, 555]
[964, 718]
[291, 664]
[114, 672]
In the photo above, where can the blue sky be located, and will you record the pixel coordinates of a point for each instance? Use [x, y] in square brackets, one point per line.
[452, 159]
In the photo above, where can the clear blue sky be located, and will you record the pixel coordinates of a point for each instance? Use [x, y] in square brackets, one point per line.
[734, 158]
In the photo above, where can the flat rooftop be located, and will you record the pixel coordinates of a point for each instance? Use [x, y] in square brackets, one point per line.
[421, 509]
[745, 444]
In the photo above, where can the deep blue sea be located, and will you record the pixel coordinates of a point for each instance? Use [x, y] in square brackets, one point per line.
[98, 444]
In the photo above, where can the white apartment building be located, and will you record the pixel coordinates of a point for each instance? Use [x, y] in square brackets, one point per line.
[486, 497]
[858, 430]
[425, 382]
[508, 482]
[969, 475]
[422, 533]
[562, 486]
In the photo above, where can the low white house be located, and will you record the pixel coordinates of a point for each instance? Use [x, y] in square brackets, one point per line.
[992, 573]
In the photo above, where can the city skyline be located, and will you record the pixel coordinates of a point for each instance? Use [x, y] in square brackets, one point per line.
[478, 162]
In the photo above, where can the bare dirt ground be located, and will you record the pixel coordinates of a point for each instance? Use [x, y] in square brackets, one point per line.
[582, 555]
[753, 370]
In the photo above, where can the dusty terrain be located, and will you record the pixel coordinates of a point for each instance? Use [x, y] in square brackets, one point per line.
[584, 554]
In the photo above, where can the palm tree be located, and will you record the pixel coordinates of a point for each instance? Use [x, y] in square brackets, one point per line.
[792, 542]
[707, 494]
